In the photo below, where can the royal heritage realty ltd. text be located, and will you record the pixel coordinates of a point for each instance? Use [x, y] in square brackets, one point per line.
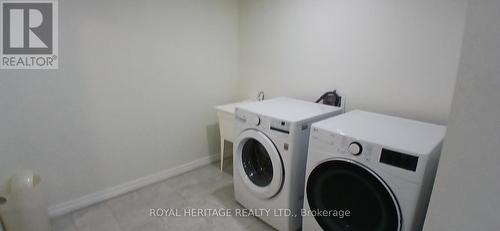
[242, 212]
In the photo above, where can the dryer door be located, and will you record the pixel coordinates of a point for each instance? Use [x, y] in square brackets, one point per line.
[337, 186]
[259, 163]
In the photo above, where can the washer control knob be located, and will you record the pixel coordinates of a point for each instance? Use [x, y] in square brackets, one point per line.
[355, 148]
[254, 120]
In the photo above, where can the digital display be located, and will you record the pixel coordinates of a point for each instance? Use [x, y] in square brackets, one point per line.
[399, 160]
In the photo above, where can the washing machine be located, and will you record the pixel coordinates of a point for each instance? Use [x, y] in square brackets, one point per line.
[270, 157]
[367, 171]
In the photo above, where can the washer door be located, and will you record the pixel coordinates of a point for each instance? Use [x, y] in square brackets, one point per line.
[346, 185]
[259, 163]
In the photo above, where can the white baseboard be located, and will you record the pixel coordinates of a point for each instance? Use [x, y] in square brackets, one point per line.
[106, 194]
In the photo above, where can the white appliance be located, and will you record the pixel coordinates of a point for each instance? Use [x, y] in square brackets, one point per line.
[270, 157]
[367, 171]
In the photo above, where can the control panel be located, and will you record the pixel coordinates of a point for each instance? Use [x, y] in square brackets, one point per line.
[254, 120]
[391, 160]
[364, 151]
[355, 148]
[280, 126]
[398, 159]
[251, 119]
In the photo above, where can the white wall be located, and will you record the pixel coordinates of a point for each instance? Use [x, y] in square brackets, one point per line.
[393, 56]
[133, 94]
[467, 187]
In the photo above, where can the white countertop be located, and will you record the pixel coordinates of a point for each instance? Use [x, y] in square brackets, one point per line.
[289, 109]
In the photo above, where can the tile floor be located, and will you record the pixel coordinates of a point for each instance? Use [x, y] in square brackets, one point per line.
[206, 187]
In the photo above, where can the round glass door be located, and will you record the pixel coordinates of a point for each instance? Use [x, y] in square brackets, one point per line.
[259, 163]
[345, 185]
